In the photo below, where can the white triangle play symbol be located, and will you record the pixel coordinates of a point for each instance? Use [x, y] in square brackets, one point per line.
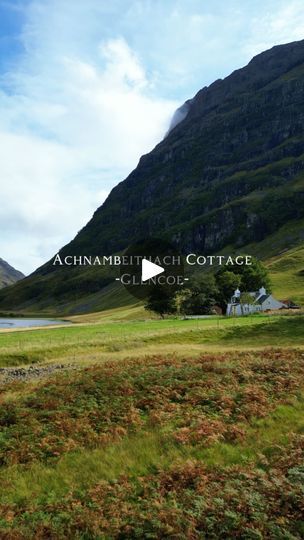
[149, 270]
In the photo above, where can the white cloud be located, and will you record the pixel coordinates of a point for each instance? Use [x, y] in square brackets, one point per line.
[93, 91]
[278, 23]
[122, 64]
[68, 133]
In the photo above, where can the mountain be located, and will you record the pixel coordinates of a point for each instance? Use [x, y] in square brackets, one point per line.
[8, 274]
[230, 172]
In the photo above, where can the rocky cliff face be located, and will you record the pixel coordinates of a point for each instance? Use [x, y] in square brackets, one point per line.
[8, 274]
[230, 172]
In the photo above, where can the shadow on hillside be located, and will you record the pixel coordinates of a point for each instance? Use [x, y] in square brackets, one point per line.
[289, 329]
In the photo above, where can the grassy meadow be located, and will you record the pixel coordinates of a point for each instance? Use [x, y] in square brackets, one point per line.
[154, 429]
[124, 332]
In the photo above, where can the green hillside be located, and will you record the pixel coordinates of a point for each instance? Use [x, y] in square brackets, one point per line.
[54, 298]
[230, 175]
[287, 274]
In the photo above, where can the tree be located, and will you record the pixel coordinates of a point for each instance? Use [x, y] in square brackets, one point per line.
[200, 298]
[254, 277]
[227, 281]
[180, 301]
[160, 301]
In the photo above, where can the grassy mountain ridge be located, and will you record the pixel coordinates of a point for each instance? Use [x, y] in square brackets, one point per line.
[55, 298]
[230, 174]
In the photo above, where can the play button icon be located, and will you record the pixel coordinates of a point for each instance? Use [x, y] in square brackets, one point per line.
[150, 264]
[150, 270]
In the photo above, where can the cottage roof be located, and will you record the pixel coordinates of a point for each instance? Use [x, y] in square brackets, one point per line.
[262, 298]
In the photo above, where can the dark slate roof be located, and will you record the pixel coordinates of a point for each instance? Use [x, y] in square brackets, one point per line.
[263, 298]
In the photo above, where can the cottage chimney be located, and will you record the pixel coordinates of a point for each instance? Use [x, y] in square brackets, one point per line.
[262, 291]
[237, 293]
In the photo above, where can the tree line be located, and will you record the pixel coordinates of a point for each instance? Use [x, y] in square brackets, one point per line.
[207, 291]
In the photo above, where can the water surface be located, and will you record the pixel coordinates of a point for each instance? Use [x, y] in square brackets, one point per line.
[11, 322]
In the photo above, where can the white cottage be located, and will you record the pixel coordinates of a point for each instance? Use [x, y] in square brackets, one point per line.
[261, 301]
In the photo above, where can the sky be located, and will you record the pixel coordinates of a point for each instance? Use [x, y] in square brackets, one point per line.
[88, 86]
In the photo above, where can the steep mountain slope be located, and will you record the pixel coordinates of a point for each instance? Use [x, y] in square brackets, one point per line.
[230, 173]
[232, 170]
[8, 274]
[287, 273]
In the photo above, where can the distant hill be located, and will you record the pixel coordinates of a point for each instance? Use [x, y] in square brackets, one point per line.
[8, 274]
[229, 175]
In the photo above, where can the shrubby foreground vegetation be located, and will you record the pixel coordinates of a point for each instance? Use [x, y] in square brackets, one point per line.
[165, 445]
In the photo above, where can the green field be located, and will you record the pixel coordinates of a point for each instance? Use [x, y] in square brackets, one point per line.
[154, 429]
[122, 333]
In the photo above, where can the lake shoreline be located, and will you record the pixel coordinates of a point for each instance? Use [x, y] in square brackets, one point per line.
[11, 323]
